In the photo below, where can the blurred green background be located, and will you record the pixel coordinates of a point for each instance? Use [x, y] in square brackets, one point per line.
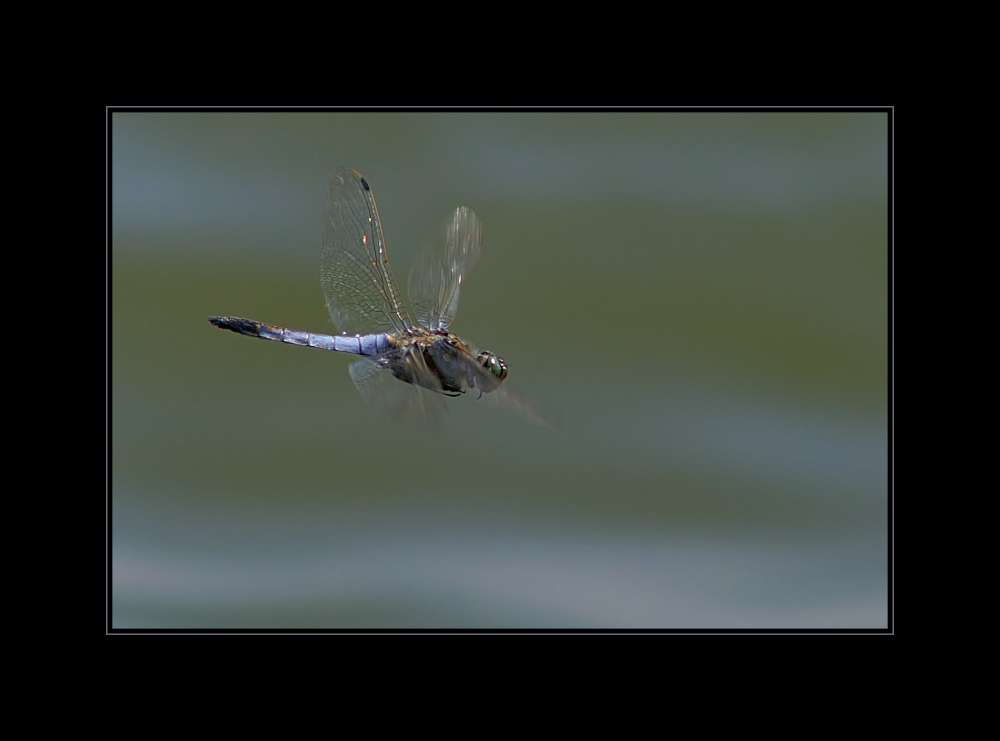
[701, 298]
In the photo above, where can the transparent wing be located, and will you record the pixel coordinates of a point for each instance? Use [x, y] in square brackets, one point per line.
[404, 402]
[439, 270]
[516, 403]
[361, 294]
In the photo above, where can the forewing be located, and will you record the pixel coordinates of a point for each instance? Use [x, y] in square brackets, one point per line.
[438, 273]
[360, 292]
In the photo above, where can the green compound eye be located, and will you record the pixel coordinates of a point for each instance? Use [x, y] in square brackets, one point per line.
[494, 364]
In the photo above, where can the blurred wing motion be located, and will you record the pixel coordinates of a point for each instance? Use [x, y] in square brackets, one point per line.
[404, 402]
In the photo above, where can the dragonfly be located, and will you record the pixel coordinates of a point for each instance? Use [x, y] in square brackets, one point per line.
[409, 360]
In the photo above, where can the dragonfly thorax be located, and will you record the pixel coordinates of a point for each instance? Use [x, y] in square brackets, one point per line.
[440, 361]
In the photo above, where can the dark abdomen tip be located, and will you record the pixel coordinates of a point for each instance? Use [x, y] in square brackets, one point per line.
[236, 324]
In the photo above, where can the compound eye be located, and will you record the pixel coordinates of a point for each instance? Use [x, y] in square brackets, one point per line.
[494, 364]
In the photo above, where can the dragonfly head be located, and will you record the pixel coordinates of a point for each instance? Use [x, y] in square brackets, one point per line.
[494, 364]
